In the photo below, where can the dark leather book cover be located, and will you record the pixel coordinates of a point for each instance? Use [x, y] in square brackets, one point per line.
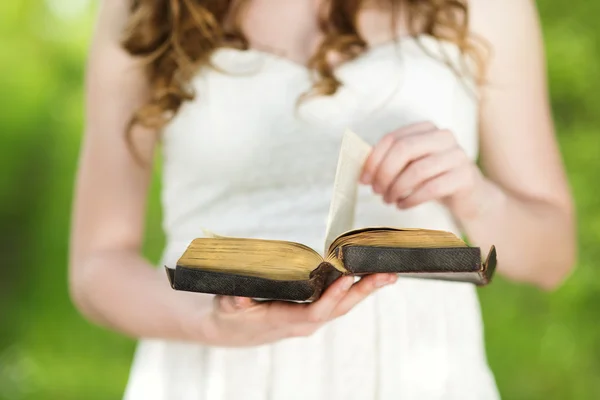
[249, 267]
[197, 280]
[463, 264]
[448, 263]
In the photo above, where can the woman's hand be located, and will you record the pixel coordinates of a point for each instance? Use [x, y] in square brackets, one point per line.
[421, 163]
[241, 322]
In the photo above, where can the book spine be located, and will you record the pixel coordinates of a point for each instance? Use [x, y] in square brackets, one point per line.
[489, 267]
[202, 281]
[323, 276]
[369, 259]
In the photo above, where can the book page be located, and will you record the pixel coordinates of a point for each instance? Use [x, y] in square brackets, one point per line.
[353, 154]
[269, 259]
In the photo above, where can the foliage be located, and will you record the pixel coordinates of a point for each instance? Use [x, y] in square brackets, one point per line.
[540, 345]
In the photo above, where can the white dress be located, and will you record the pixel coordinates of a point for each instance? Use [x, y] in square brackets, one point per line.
[244, 159]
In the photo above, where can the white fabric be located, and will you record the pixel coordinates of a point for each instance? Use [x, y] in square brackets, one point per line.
[244, 159]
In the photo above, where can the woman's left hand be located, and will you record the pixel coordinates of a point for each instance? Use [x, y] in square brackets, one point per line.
[421, 163]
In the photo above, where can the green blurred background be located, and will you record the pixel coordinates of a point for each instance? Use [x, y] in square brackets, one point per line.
[540, 345]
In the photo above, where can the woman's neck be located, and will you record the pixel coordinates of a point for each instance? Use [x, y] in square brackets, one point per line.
[290, 28]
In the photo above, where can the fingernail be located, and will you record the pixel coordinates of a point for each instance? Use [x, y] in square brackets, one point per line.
[376, 188]
[366, 178]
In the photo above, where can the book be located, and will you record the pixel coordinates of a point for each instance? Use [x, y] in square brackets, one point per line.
[282, 270]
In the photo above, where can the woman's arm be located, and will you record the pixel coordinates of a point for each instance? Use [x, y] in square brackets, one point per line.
[530, 216]
[110, 282]
[522, 204]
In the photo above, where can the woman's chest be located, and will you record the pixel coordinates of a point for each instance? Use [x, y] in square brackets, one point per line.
[252, 128]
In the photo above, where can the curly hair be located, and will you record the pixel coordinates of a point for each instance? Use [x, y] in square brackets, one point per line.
[177, 37]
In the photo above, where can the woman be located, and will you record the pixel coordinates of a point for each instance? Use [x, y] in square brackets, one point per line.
[250, 100]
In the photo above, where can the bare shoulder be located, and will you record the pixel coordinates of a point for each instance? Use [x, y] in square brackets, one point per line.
[511, 30]
[500, 18]
[112, 17]
[114, 78]
[502, 22]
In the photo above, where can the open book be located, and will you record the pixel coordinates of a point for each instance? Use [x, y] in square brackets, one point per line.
[280, 270]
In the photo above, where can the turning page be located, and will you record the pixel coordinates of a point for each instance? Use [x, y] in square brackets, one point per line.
[353, 154]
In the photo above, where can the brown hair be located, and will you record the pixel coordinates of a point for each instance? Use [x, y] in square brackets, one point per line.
[177, 37]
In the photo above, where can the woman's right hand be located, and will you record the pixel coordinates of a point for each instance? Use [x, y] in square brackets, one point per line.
[241, 322]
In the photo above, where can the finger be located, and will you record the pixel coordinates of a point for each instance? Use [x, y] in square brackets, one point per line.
[361, 290]
[230, 304]
[384, 145]
[406, 150]
[422, 170]
[287, 313]
[308, 320]
[434, 189]
[322, 309]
